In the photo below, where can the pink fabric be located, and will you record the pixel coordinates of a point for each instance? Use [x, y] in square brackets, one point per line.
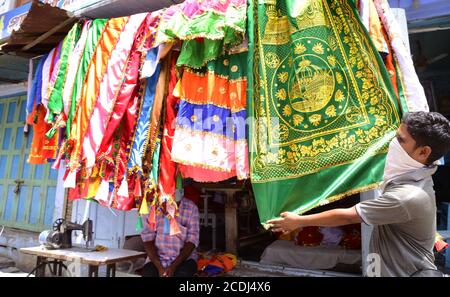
[202, 175]
[110, 85]
[210, 151]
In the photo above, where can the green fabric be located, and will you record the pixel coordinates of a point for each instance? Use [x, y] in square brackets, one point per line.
[94, 34]
[323, 106]
[139, 224]
[221, 66]
[207, 36]
[55, 104]
[155, 162]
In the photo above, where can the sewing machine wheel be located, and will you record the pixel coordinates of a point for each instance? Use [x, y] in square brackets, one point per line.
[57, 224]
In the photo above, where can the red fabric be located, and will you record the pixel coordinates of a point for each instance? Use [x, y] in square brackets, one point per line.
[440, 246]
[193, 194]
[352, 238]
[167, 173]
[309, 236]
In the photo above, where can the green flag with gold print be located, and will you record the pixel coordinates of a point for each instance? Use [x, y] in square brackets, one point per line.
[323, 106]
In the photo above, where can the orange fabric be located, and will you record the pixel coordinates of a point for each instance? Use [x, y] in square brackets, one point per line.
[94, 75]
[224, 261]
[389, 62]
[219, 94]
[42, 148]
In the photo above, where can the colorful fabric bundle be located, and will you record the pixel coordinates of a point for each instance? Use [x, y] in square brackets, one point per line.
[216, 265]
[42, 148]
[323, 105]
[109, 88]
[210, 141]
[90, 91]
[103, 97]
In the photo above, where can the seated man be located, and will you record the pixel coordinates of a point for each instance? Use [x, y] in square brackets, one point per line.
[173, 256]
[404, 216]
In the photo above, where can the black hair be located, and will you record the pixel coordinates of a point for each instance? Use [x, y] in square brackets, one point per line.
[429, 129]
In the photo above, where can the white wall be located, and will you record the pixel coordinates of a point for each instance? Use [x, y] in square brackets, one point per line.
[110, 226]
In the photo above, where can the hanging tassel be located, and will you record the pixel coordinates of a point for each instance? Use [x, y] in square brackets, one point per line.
[137, 188]
[177, 90]
[144, 208]
[71, 180]
[103, 192]
[171, 207]
[152, 218]
[57, 163]
[123, 189]
[174, 227]
[139, 225]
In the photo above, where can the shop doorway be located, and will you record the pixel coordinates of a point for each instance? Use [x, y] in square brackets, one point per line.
[27, 192]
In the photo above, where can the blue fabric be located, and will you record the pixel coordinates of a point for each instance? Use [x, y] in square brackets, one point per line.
[137, 152]
[35, 93]
[166, 226]
[203, 118]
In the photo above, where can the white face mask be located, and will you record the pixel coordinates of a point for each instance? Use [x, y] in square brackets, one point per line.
[399, 162]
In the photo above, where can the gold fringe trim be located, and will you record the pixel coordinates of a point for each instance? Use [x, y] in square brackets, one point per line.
[334, 199]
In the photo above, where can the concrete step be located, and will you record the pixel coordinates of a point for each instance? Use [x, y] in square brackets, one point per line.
[11, 270]
[6, 263]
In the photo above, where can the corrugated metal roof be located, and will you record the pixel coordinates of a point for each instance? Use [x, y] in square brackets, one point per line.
[41, 19]
[117, 8]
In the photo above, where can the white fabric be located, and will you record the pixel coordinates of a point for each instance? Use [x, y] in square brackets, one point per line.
[283, 252]
[123, 189]
[46, 77]
[71, 180]
[398, 162]
[103, 192]
[364, 13]
[416, 99]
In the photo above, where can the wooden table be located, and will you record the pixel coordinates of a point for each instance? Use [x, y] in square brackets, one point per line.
[91, 258]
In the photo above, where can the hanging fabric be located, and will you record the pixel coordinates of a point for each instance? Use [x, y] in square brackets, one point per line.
[210, 141]
[323, 105]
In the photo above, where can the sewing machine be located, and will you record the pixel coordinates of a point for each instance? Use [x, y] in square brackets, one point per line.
[61, 235]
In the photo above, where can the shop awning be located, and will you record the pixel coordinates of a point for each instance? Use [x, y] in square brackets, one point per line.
[41, 29]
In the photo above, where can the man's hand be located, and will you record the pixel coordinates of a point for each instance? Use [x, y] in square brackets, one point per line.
[161, 271]
[170, 271]
[332, 218]
[288, 223]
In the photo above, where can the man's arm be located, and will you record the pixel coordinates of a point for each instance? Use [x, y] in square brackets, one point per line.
[333, 218]
[186, 251]
[152, 253]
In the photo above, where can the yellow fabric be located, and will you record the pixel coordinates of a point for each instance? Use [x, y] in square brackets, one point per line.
[144, 208]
